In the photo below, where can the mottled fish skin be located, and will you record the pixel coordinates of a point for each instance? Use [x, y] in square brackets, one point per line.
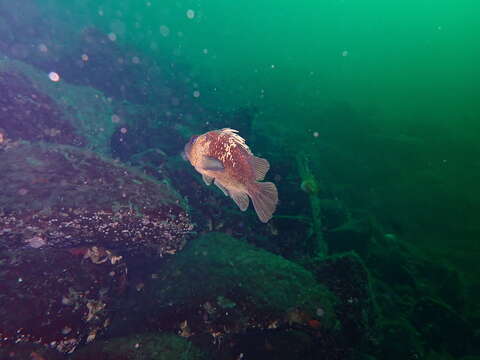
[222, 156]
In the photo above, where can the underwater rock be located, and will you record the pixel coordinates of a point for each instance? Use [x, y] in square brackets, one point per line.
[26, 351]
[442, 327]
[348, 278]
[63, 197]
[26, 113]
[35, 108]
[219, 285]
[400, 341]
[145, 346]
[57, 298]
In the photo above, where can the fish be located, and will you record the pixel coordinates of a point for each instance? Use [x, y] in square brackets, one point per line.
[223, 158]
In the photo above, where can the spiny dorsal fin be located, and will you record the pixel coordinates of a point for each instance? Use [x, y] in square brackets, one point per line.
[261, 167]
[235, 138]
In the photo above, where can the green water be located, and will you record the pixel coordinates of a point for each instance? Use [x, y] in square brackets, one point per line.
[389, 88]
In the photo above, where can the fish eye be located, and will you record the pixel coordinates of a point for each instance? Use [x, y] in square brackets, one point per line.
[192, 139]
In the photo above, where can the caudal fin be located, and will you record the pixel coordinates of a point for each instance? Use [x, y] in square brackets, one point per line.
[265, 198]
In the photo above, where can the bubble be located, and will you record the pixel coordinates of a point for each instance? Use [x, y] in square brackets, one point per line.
[164, 30]
[42, 48]
[196, 94]
[123, 130]
[112, 36]
[344, 53]
[190, 14]
[54, 76]
[115, 118]
[84, 57]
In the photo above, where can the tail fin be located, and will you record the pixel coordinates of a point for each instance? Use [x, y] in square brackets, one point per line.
[265, 198]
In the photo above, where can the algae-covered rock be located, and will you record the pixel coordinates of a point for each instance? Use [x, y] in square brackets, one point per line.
[141, 347]
[63, 197]
[33, 107]
[224, 285]
[442, 327]
[400, 341]
[57, 298]
[348, 278]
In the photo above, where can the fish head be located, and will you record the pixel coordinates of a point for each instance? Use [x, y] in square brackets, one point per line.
[187, 149]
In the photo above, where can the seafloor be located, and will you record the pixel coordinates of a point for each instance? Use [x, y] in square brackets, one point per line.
[111, 246]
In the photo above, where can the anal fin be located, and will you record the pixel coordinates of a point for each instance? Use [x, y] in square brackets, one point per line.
[241, 199]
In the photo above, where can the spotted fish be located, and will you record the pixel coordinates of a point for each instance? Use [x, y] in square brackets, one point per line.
[223, 158]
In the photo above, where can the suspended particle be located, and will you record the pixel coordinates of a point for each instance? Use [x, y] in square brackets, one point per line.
[136, 60]
[42, 48]
[54, 76]
[316, 134]
[112, 36]
[190, 14]
[344, 53]
[84, 57]
[115, 118]
[205, 51]
[164, 30]
[196, 94]
[123, 130]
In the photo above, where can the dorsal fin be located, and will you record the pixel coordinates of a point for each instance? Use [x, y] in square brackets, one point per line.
[261, 167]
[235, 138]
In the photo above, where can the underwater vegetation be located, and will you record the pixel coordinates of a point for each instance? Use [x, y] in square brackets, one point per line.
[113, 248]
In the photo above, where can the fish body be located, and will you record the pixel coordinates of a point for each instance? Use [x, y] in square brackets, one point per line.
[223, 158]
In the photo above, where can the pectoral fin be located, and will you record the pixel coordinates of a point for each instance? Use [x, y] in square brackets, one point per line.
[211, 164]
[207, 179]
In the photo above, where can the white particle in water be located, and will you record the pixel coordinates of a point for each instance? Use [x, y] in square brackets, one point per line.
[164, 30]
[344, 53]
[190, 14]
[136, 60]
[54, 76]
[42, 48]
[316, 134]
[85, 57]
[112, 36]
[115, 118]
[123, 130]
[196, 93]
